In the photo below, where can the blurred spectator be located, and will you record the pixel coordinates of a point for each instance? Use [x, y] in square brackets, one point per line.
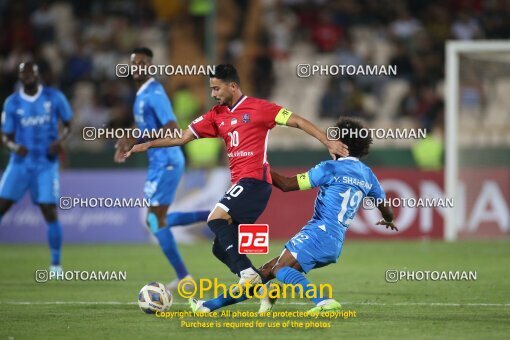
[428, 153]
[280, 24]
[77, 45]
[405, 26]
[185, 105]
[495, 19]
[330, 102]
[43, 21]
[326, 34]
[466, 27]
[263, 73]
[78, 67]
[402, 61]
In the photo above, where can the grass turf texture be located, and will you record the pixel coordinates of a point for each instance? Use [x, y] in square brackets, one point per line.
[417, 309]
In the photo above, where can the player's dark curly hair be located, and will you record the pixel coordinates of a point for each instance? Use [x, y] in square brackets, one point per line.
[143, 50]
[227, 73]
[351, 134]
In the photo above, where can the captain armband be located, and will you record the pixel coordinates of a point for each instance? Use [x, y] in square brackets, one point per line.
[304, 181]
[283, 116]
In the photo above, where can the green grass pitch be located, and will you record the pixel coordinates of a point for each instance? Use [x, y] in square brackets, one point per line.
[410, 309]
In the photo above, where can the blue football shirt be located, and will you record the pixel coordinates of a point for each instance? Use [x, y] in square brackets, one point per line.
[343, 184]
[34, 120]
[153, 110]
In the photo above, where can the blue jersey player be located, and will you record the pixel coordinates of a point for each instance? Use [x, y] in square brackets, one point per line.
[343, 184]
[30, 130]
[153, 112]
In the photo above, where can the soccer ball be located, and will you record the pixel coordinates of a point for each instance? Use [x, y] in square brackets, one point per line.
[154, 297]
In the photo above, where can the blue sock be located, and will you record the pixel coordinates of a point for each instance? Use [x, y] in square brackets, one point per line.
[55, 241]
[185, 218]
[169, 247]
[221, 301]
[292, 276]
[1, 216]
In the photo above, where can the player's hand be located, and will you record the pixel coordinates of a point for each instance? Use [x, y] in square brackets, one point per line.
[119, 156]
[55, 148]
[390, 225]
[22, 151]
[121, 147]
[137, 148]
[336, 147]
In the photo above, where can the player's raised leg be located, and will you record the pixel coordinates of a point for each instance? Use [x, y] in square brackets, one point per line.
[178, 218]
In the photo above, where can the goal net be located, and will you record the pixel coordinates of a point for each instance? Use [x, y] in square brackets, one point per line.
[477, 135]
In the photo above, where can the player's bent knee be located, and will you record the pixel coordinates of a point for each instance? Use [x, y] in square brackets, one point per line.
[49, 212]
[218, 251]
[218, 213]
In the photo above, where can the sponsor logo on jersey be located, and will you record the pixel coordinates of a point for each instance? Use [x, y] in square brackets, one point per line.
[233, 122]
[35, 120]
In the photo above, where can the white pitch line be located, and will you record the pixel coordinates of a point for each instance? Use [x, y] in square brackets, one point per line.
[431, 304]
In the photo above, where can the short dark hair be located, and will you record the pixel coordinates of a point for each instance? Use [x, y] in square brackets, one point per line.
[227, 73]
[143, 50]
[351, 135]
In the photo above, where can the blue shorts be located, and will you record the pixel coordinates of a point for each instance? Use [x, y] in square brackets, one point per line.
[162, 182]
[313, 247]
[41, 178]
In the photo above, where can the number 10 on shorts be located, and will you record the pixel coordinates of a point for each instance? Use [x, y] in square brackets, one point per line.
[253, 239]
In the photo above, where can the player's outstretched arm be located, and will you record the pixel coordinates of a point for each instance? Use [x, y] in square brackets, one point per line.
[387, 214]
[284, 183]
[187, 136]
[335, 147]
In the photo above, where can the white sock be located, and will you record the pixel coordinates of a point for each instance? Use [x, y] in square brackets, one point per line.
[248, 271]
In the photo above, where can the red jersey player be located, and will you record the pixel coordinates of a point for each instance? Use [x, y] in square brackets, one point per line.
[243, 123]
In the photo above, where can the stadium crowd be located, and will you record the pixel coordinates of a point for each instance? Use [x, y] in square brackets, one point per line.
[77, 45]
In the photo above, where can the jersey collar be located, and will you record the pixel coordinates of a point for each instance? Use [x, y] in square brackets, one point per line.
[144, 85]
[239, 102]
[30, 98]
[348, 157]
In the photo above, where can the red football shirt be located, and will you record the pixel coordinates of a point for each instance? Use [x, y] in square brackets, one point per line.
[245, 130]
